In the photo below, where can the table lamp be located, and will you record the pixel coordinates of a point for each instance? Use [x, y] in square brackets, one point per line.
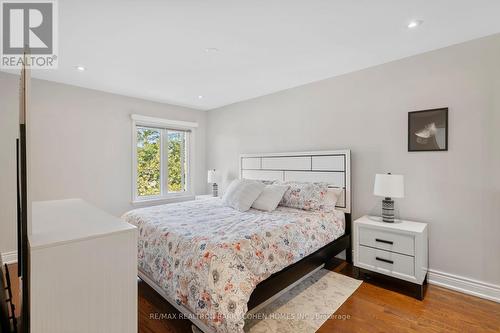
[388, 186]
[212, 179]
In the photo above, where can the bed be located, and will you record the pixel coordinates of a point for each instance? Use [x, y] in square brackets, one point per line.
[216, 264]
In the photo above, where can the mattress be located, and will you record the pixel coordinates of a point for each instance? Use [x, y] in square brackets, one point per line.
[209, 258]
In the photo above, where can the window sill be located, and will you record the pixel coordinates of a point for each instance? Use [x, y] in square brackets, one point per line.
[163, 200]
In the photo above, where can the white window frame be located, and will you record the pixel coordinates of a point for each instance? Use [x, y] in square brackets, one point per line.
[138, 121]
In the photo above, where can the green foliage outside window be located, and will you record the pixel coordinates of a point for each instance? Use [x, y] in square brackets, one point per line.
[149, 161]
[175, 176]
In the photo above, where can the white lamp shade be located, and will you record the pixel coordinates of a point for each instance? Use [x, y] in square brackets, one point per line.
[212, 176]
[391, 186]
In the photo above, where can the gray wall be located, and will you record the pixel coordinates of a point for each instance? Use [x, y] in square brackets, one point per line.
[456, 192]
[81, 146]
[9, 117]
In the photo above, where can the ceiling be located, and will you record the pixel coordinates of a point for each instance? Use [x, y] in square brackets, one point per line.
[157, 50]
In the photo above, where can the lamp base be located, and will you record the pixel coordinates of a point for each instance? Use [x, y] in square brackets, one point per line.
[388, 210]
[215, 190]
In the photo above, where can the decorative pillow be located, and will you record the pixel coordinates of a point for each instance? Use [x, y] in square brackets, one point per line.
[307, 196]
[269, 199]
[263, 181]
[331, 198]
[241, 194]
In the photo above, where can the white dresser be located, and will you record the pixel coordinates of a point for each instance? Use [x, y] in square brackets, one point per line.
[83, 270]
[397, 249]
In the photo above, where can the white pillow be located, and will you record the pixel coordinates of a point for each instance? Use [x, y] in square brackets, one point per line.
[332, 197]
[241, 194]
[269, 199]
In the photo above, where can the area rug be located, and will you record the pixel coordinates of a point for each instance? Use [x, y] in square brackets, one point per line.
[305, 307]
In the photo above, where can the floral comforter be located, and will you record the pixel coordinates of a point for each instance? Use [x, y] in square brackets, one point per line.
[209, 257]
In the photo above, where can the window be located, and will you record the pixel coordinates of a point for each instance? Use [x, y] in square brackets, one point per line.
[161, 158]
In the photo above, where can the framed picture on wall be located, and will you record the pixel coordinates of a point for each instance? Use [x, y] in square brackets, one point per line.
[428, 130]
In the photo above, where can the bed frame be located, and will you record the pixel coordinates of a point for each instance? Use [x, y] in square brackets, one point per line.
[332, 167]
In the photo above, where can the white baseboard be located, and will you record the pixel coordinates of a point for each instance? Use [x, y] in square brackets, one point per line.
[9, 257]
[465, 285]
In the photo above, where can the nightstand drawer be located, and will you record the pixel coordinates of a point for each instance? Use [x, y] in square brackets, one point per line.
[386, 262]
[387, 240]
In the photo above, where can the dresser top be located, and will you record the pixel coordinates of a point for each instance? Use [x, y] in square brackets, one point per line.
[375, 221]
[61, 221]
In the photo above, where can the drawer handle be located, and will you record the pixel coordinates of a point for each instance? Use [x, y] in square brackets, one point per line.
[384, 260]
[383, 241]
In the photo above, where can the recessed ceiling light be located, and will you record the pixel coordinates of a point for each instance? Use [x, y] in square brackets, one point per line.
[211, 50]
[200, 97]
[80, 68]
[415, 23]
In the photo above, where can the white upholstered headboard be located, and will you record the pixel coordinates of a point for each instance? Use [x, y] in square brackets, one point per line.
[332, 167]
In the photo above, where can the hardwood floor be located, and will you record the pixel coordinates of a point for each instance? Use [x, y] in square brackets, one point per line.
[372, 308]
[151, 307]
[15, 289]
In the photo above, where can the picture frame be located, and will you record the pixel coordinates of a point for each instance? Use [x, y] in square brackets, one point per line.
[428, 130]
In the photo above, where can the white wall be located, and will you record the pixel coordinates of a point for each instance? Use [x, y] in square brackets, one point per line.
[9, 117]
[457, 192]
[81, 146]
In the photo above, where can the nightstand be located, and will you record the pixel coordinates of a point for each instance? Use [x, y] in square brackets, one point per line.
[203, 196]
[398, 249]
